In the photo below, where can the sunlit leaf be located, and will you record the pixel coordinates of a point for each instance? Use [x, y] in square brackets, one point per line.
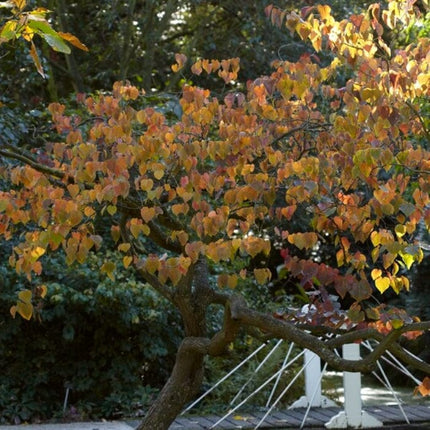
[424, 387]
[50, 35]
[382, 284]
[73, 40]
[8, 31]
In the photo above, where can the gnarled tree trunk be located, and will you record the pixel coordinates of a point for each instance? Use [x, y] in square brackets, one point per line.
[182, 386]
[192, 299]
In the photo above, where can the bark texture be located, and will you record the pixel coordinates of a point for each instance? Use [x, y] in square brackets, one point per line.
[183, 384]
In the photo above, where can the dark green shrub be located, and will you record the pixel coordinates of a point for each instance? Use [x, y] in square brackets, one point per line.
[112, 343]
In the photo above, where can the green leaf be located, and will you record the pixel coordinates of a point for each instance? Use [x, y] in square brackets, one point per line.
[8, 31]
[56, 43]
[3, 205]
[53, 39]
[38, 14]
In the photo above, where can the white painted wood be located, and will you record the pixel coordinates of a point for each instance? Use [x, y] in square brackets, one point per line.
[352, 386]
[313, 395]
[353, 415]
[312, 378]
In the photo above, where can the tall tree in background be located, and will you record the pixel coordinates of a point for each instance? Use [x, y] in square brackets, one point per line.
[204, 193]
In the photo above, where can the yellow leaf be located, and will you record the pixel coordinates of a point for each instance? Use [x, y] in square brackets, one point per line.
[324, 11]
[20, 4]
[397, 323]
[25, 310]
[376, 273]
[135, 229]
[382, 284]
[406, 283]
[225, 280]
[152, 264]
[108, 268]
[116, 233]
[124, 247]
[42, 290]
[375, 254]
[36, 253]
[269, 112]
[111, 210]
[262, 275]
[158, 173]
[28, 33]
[232, 281]
[141, 116]
[375, 237]
[25, 296]
[23, 306]
[127, 261]
[239, 418]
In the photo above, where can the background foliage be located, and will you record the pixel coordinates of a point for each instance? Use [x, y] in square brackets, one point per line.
[111, 343]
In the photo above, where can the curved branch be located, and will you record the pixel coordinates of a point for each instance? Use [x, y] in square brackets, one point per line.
[59, 174]
[409, 359]
[159, 238]
[283, 330]
[152, 280]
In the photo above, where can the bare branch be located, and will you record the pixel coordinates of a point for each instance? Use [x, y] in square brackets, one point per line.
[285, 330]
[33, 163]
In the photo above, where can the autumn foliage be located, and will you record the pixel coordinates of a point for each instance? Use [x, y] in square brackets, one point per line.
[336, 143]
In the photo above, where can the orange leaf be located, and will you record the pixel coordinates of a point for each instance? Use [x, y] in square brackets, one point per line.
[147, 213]
[303, 240]
[324, 11]
[73, 40]
[181, 59]
[36, 60]
[424, 387]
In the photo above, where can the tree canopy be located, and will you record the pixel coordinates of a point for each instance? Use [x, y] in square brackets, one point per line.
[327, 154]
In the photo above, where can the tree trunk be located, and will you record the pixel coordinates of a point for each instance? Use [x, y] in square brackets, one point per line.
[192, 297]
[72, 65]
[182, 386]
